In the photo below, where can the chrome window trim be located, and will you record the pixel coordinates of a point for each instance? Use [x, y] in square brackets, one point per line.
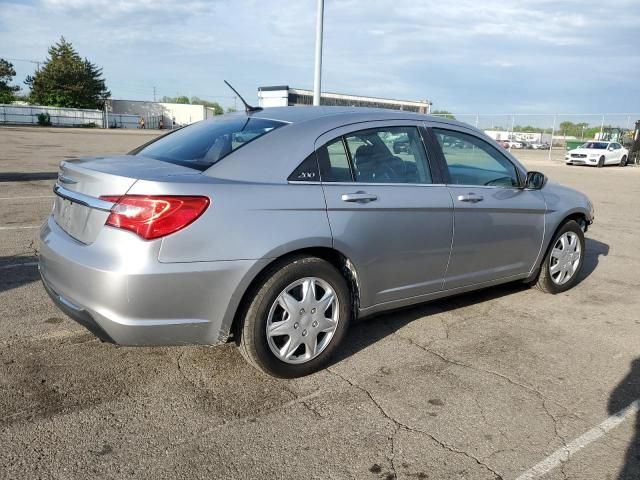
[484, 186]
[82, 199]
[369, 184]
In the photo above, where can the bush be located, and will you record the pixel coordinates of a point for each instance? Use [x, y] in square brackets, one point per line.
[44, 119]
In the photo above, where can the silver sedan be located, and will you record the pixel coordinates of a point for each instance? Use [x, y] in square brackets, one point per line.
[273, 229]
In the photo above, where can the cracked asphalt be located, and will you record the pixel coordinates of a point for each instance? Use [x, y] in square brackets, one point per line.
[481, 386]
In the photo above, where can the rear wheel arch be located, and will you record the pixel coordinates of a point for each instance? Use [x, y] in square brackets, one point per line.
[342, 263]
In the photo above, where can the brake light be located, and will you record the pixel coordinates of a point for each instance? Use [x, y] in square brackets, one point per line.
[154, 216]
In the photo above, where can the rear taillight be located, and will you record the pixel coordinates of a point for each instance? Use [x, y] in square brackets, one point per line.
[154, 216]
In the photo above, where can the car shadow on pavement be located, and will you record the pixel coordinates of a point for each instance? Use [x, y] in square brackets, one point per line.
[593, 251]
[16, 271]
[370, 330]
[625, 395]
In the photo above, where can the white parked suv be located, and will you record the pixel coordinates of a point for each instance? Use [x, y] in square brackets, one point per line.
[598, 154]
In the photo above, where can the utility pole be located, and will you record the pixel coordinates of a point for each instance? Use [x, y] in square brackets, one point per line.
[154, 94]
[35, 62]
[318, 66]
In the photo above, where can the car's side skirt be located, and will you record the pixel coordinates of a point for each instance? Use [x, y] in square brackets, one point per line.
[382, 307]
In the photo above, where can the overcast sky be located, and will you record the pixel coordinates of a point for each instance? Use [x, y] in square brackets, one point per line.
[464, 55]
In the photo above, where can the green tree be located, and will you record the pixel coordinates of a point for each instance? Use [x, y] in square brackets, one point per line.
[578, 130]
[217, 109]
[7, 91]
[444, 113]
[231, 109]
[66, 80]
[179, 99]
[527, 129]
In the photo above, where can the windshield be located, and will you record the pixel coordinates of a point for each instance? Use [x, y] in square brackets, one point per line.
[595, 145]
[202, 144]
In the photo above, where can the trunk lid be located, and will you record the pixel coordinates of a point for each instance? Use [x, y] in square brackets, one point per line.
[78, 209]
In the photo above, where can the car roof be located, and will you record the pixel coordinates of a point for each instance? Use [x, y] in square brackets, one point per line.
[336, 116]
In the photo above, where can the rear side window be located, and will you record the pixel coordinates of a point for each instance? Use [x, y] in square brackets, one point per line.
[380, 155]
[307, 171]
[334, 162]
[204, 143]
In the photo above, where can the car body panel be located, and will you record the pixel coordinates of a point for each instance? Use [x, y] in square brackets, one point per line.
[137, 300]
[187, 287]
[499, 236]
[399, 243]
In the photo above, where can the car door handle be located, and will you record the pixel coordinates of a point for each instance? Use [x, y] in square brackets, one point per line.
[359, 197]
[470, 197]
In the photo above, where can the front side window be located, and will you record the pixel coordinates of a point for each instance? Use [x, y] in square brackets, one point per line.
[472, 161]
[379, 155]
[202, 144]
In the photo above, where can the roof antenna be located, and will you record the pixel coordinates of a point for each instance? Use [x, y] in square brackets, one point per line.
[247, 108]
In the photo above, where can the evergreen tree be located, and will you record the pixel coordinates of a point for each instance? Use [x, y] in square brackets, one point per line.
[7, 91]
[66, 80]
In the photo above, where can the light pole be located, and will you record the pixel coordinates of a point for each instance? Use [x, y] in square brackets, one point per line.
[318, 67]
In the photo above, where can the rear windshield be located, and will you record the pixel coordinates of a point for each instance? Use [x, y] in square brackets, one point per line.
[595, 145]
[204, 143]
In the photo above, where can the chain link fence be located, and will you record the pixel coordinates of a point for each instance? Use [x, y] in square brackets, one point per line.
[552, 131]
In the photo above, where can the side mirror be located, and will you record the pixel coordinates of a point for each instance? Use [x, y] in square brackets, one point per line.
[610, 149]
[535, 180]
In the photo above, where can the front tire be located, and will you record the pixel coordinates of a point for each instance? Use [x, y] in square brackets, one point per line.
[296, 318]
[562, 264]
[601, 162]
[623, 161]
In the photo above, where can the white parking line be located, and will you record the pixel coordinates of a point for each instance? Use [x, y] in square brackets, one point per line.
[27, 198]
[26, 227]
[562, 454]
[15, 265]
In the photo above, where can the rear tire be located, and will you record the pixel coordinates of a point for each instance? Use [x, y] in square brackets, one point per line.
[601, 162]
[623, 161]
[550, 276]
[292, 316]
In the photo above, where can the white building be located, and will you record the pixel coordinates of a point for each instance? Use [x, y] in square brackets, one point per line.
[172, 114]
[283, 95]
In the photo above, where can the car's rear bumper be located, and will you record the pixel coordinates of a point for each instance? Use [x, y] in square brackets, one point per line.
[127, 297]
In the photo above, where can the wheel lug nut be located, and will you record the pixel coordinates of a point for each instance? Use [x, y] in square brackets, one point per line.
[296, 325]
[315, 324]
[313, 310]
[302, 311]
[304, 333]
